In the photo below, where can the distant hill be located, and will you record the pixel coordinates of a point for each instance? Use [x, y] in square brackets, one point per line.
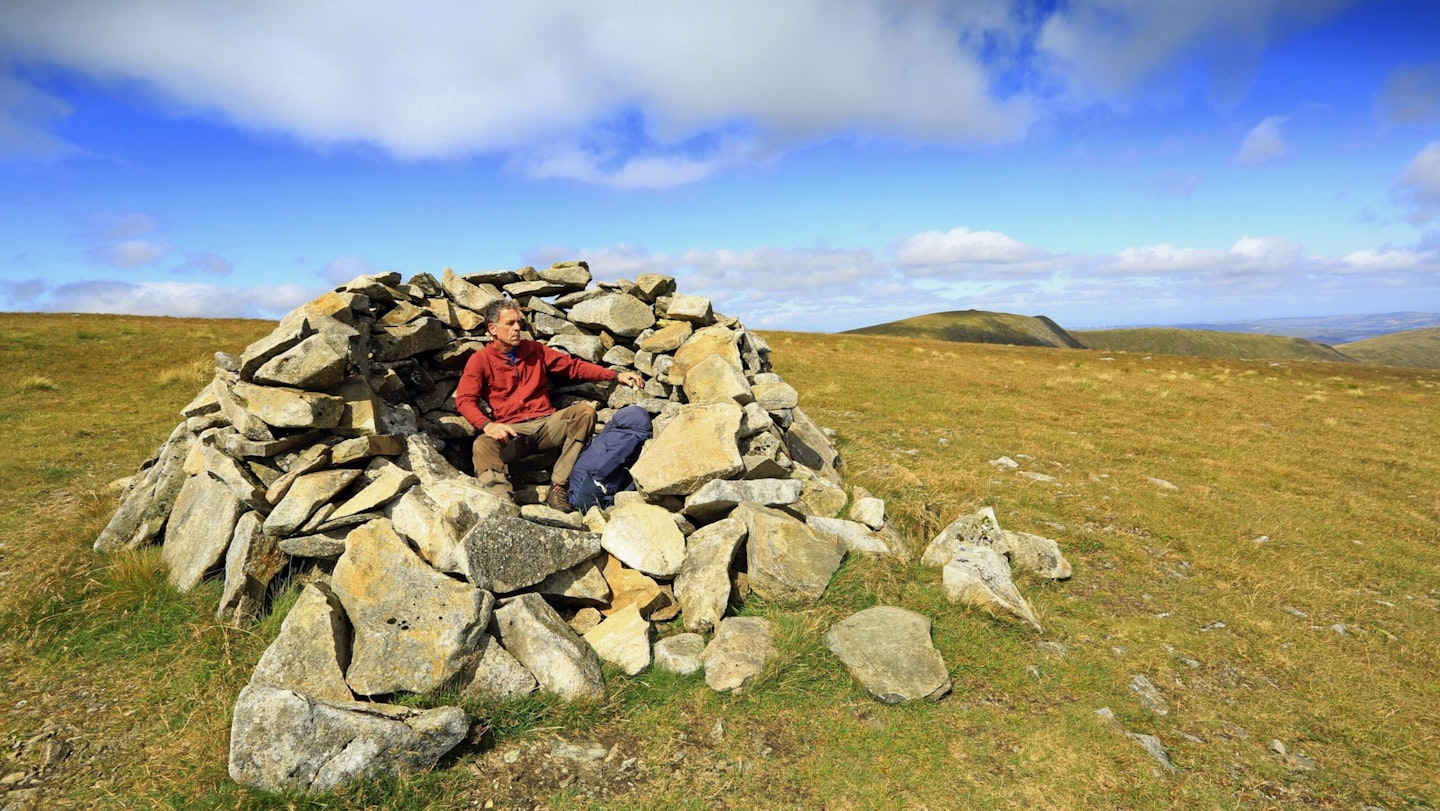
[1176, 341]
[1416, 347]
[1331, 329]
[978, 327]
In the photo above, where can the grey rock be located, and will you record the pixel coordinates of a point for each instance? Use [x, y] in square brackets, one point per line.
[363, 447]
[819, 496]
[1150, 696]
[695, 309]
[1037, 554]
[776, 396]
[980, 528]
[650, 286]
[280, 339]
[719, 496]
[541, 641]
[809, 446]
[206, 402]
[281, 407]
[645, 537]
[146, 506]
[505, 554]
[436, 516]
[667, 339]
[329, 545]
[582, 583]
[753, 420]
[199, 530]
[980, 576]
[617, 314]
[312, 650]
[572, 275]
[414, 627]
[586, 347]
[857, 537]
[705, 343]
[251, 562]
[389, 481]
[538, 287]
[248, 425]
[679, 654]
[888, 650]
[282, 741]
[618, 356]
[869, 511]
[306, 496]
[472, 293]
[788, 562]
[714, 380]
[497, 675]
[315, 364]
[738, 653]
[495, 278]
[551, 517]
[409, 340]
[235, 444]
[703, 585]
[233, 474]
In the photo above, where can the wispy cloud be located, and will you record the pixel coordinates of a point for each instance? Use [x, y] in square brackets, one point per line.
[128, 254]
[1265, 142]
[1410, 96]
[184, 299]
[27, 115]
[1419, 184]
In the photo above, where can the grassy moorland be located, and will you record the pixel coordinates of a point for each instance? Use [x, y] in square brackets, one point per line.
[978, 327]
[1238, 345]
[1258, 539]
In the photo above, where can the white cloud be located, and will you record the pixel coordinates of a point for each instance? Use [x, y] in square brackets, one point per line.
[182, 299]
[671, 81]
[963, 246]
[342, 269]
[205, 263]
[1264, 142]
[1391, 259]
[128, 254]
[1410, 96]
[1419, 184]
[106, 226]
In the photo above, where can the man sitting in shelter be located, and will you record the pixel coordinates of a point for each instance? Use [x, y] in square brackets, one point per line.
[510, 375]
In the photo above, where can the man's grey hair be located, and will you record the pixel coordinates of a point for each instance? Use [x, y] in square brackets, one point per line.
[499, 305]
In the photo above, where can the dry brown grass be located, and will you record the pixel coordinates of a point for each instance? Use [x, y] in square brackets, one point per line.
[1333, 464]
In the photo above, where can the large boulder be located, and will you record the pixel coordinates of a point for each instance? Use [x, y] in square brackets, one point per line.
[312, 651]
[201, 526]
[284, 741]
[788, 562]
[616, 313]
[888, 650]
[414, 627]
[703, 585]
[698, 446]
[645, 537]
[281, 407]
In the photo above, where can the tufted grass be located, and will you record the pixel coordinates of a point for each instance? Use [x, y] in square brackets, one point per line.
[1333, 465]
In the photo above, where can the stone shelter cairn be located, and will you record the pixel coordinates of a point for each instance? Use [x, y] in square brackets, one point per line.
[330, 452]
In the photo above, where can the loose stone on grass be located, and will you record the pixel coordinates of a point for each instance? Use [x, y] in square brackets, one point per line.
[737, 654]
[888, 650]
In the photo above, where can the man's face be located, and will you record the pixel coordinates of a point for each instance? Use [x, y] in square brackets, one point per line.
[506, 329]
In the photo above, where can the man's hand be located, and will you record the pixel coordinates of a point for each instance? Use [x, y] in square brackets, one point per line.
[499, 431]
[631, 379]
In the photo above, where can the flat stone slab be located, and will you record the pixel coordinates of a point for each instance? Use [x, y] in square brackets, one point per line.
[540, 640]
[506, 554]
[201, 525]
[737, 654]
[720, 496]
[857, 537]
[697, 446]
[304, 497]
[251, 562]
[282, 741]
[414, 627]
[888, 650]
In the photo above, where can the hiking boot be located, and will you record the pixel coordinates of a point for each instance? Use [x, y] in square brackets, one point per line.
[559, 498]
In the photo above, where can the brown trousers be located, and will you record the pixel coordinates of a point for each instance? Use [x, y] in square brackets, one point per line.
[567, 429]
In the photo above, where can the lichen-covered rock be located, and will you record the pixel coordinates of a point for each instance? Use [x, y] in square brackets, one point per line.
[720, 496]
[698, 446]
[788, 562]
[282, 741]
[645, 537]
[497, 674]
[738, 653]
[980, 576]
[251, 562]
[616, 313]
[541, 641]
[703, 585]
[1034, 553]
[414, 627]
[312, 650]
[679, 654]
[980, 528]
[506, 554]
[200, 528]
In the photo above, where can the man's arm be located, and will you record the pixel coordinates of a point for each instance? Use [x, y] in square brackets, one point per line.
[557, 362]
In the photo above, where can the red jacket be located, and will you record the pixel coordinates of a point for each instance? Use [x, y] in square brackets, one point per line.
[517, 391]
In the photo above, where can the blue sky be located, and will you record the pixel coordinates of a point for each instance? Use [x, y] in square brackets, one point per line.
[808, 165]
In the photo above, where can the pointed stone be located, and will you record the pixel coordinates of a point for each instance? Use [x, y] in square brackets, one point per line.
[280, 339]
[809, 446]
[623, 640]
[979, 576]
[585, 347]
[541, 641]
[888, 650]
[703, 586]
[857, 537]
[573, 275]
[391, 480]
[741, 648]
[719, 497]
[312, 650]
[147, 504]
[650, 286]
[200, 528]
[315, 364]
[507, 554]
[414, 627]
